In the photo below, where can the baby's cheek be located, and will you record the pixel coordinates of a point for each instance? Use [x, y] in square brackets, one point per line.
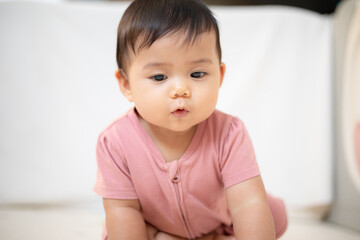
[211, 97]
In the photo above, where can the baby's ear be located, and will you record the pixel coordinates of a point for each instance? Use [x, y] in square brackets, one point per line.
[222, 72]
[124, 84]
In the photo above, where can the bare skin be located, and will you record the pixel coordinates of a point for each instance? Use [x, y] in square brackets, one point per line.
[154, 234]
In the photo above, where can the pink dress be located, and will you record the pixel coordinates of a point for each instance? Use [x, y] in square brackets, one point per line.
[185, 197]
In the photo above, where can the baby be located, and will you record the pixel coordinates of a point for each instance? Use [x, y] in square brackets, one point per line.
[174, 167]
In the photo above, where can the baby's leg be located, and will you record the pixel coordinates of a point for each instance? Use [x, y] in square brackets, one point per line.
[155, 234]
[164, 236]
[151, 231]
[278, 211]
[222, 237]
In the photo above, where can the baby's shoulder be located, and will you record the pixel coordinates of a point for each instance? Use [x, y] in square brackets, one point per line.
[222, 126]
[224, 121]
[120, 126]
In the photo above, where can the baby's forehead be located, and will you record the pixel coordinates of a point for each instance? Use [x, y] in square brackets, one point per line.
[186, 41]
[181, 38]
[175, 50]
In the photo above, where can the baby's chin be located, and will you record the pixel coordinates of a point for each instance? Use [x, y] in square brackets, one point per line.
[175, 124]
[171, 127]
[182, 127]
[192, 124]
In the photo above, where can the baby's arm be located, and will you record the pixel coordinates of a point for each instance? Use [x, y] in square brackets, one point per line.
[124, 220]
[249, 210]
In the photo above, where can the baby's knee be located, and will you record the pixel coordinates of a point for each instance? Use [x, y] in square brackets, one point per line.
[278, 211]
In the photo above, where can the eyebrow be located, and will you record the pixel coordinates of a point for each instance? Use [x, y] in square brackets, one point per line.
[156, 64]
[202, 60]
[162, 64]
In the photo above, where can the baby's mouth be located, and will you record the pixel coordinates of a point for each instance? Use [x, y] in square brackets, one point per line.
[180, 113]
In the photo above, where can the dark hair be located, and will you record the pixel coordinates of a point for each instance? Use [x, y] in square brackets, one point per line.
[145, 21]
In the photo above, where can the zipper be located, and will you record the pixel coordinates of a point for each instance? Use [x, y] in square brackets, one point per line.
[177, 191]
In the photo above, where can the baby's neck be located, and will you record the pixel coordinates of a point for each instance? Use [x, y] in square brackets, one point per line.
[171, 144]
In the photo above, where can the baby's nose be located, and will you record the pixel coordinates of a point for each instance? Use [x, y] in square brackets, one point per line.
[180, 92]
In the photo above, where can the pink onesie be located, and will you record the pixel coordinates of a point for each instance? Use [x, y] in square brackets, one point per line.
[185, 197]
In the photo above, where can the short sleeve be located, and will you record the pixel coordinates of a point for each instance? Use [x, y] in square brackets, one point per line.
[238, 161]
[113, 176]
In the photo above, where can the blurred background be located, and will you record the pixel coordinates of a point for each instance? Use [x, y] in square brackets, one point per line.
[293, 76]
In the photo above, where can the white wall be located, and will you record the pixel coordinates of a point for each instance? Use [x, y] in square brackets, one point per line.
[57, 91]
[279, 80]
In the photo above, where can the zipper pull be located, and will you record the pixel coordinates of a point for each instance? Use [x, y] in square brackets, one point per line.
[173, 171]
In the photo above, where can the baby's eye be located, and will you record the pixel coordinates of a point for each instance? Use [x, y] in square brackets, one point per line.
[159, 77]
[198, 74]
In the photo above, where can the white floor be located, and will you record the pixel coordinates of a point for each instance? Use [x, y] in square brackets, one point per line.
[80, 222]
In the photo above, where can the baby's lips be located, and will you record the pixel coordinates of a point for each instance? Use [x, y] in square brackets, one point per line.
[180, 113]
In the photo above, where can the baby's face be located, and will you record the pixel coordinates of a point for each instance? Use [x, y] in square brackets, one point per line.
[174, 85]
